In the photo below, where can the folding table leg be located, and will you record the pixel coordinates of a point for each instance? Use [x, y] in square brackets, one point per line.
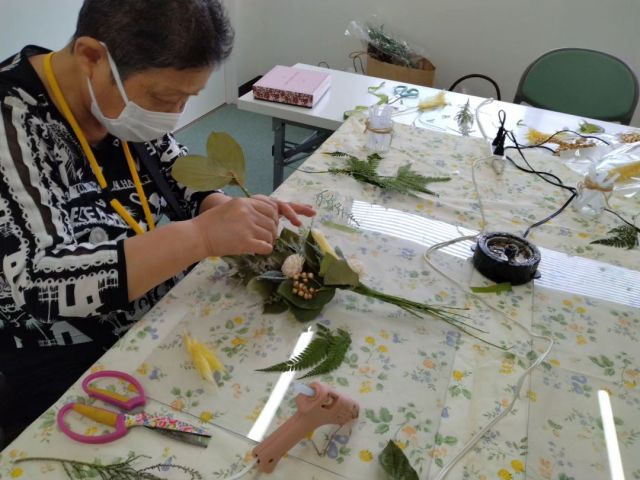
[278, 151]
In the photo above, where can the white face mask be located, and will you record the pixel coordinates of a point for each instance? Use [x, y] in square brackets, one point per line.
[134, 124]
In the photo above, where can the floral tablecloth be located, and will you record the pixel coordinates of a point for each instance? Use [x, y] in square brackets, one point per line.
[419, 382]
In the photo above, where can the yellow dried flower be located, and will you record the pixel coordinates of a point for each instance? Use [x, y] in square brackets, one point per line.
[432, 103]
[203, 359]
[536, 137]
[625, 172]
[323, 243]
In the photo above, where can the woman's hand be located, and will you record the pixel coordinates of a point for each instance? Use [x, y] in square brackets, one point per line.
[289, 210]
[238, 226]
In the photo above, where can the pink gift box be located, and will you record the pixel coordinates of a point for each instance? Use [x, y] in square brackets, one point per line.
[294, 86]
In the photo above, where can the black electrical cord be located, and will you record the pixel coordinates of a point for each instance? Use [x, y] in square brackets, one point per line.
[543, 175]
[622, 218]
[550, 217]
[499, 149]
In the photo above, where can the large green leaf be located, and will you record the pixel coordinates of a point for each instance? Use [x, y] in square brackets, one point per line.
[321, 298]
[264, 288]
[199, 173]
[337, 272]
[396, 464]
[226, 152]
[302, 315]
[274, 308]
[224, 165]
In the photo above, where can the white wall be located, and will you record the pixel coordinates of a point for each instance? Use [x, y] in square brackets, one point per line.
[48, 23]
[496, 37]
[51, 23]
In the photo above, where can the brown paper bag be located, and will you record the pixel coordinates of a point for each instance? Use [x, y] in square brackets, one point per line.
[423, 75]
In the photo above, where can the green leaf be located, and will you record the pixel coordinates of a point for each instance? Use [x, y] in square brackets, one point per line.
[338, 347]
[274, 308]
[226, 152]
[323, 296]
[395, 463]
[224, 165]
[199, 173]
[498, 288]
[310, 356]
[374, 89]
[590, 128]
[263, 288]
[353, 111]
[303, 315]
[383, 99]
[336, 272]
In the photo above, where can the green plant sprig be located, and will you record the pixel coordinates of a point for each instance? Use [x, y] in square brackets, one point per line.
[123, 470]
[464, 119]
[405, 181]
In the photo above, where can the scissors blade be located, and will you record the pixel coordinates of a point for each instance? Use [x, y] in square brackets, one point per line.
[187, 437]
[170, 426]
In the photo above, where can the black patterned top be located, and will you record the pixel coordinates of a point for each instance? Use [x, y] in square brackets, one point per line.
[63, 272]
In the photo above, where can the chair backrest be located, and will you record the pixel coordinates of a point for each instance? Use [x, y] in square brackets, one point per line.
[580, 82]
[477, 75]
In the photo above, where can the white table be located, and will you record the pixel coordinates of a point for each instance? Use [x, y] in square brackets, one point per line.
[349, 90]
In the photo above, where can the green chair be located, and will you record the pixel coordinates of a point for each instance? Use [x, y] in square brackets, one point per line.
[581, 82]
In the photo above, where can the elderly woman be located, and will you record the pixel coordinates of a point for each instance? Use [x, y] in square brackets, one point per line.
[85, 156]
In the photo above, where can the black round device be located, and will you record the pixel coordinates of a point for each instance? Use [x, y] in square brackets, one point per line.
[503, 257]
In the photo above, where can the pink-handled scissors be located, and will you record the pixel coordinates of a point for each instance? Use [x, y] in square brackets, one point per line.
[122, 422]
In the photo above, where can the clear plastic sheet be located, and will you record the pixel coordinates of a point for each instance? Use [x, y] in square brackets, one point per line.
[606, 169]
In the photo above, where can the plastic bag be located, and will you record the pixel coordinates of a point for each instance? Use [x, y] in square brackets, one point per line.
[606, 169]
[382, 44]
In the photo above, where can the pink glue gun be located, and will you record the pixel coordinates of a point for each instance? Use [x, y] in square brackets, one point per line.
[325, 407]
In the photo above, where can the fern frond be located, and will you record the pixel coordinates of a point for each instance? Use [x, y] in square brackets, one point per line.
[625, 236]
[374, 160]
[310, 356]
[338, 347]
[405, 181]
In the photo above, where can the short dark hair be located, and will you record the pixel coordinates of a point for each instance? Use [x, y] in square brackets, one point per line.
[144, 34]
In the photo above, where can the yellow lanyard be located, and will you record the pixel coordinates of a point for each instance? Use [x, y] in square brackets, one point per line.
[115, 204]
